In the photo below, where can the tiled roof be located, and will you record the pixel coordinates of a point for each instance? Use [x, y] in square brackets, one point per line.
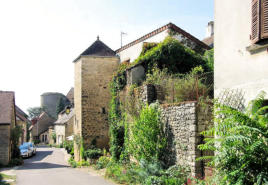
[209, 41]
[22, 115]
[159, 30]
[98, 48]
[7, 101]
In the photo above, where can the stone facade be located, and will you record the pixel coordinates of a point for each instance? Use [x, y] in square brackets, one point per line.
[23, 126]
[183, 123]
[91, 99]
[5, 149]
[7, 123]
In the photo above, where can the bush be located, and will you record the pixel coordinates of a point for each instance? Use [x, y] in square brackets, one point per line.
[241, 143]
[148, 141]
[174, 56]
[93, 153]
[102, 162]
[72, 162]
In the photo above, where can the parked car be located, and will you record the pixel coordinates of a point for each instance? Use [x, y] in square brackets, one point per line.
[25, 151]
[32, 147]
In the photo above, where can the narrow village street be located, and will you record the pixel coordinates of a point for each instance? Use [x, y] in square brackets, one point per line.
[49, 167]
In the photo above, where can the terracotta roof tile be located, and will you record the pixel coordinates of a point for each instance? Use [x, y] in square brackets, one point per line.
[7, 101]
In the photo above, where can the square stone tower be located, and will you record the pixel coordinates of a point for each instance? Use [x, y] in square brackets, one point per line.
[94, 69]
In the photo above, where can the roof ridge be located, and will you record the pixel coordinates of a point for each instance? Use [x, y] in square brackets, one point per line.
[159, 30]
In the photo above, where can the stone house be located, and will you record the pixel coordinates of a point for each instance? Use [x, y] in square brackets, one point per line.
[63, 127]
[7, 123]
[94, 69]
[40, 126]
[22, 121]
[131, 51]
[70, 96]
[241, 45]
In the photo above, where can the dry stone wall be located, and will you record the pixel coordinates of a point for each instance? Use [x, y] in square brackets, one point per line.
[183, 124]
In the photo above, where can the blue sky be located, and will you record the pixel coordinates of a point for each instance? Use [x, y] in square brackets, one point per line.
[39, 39]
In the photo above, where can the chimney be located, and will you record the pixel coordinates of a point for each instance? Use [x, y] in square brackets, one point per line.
[210, 29]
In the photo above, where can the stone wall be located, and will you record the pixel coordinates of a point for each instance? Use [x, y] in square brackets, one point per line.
[4, 144]
[69, 127]
[181, 128]
[92, 96]
[183, 124]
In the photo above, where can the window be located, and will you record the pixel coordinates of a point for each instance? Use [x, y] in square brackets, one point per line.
[259, 27]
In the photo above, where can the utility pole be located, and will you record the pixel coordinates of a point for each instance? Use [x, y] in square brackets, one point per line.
[122, 33]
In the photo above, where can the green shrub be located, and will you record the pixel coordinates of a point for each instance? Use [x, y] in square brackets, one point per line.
[102, 162]
[241, 143]
[174, 56]
[72, 162]
[68, 145]
[148, 141]
[93, 153]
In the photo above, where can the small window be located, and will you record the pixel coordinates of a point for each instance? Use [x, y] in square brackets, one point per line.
[103, 110]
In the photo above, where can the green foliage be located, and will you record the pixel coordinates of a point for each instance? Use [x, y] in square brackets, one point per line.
[146, 173]
[69, 146]
[241, 144]
[60, 106]
[116, 120]
[54, 137]
[102, 162]
[147, 46]
[209, 56]
[34, 112]
[174, 56]
[14, 137]
[148, 140]
[93, 153]
[72, 162]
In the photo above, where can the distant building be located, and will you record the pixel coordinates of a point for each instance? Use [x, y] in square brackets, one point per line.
[7, 122]
[70, 96]
[209, 40]
[63, 127]
[131, 51]
[241, 45]
[22, 121]
[50, 100]
[40, 126]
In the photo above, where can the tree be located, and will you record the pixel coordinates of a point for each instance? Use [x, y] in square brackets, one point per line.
[60, 105]
[34, 112]
[209, 55]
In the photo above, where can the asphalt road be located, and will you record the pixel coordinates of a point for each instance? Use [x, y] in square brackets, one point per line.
[48, 167]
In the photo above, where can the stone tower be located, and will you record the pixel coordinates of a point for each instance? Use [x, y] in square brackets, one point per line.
[93, 72]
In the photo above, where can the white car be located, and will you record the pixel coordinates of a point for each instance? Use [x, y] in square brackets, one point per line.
[25, 151]
[31, 147]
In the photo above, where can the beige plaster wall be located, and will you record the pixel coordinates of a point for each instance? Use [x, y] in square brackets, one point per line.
[235, 67]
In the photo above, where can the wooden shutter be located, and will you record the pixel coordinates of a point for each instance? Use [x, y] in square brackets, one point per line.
[255, 29]
[264, 19]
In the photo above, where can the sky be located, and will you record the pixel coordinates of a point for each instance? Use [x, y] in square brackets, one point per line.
[39, 39]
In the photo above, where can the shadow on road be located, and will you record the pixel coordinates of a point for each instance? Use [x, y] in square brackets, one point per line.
[35, 162]
[40, 165]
